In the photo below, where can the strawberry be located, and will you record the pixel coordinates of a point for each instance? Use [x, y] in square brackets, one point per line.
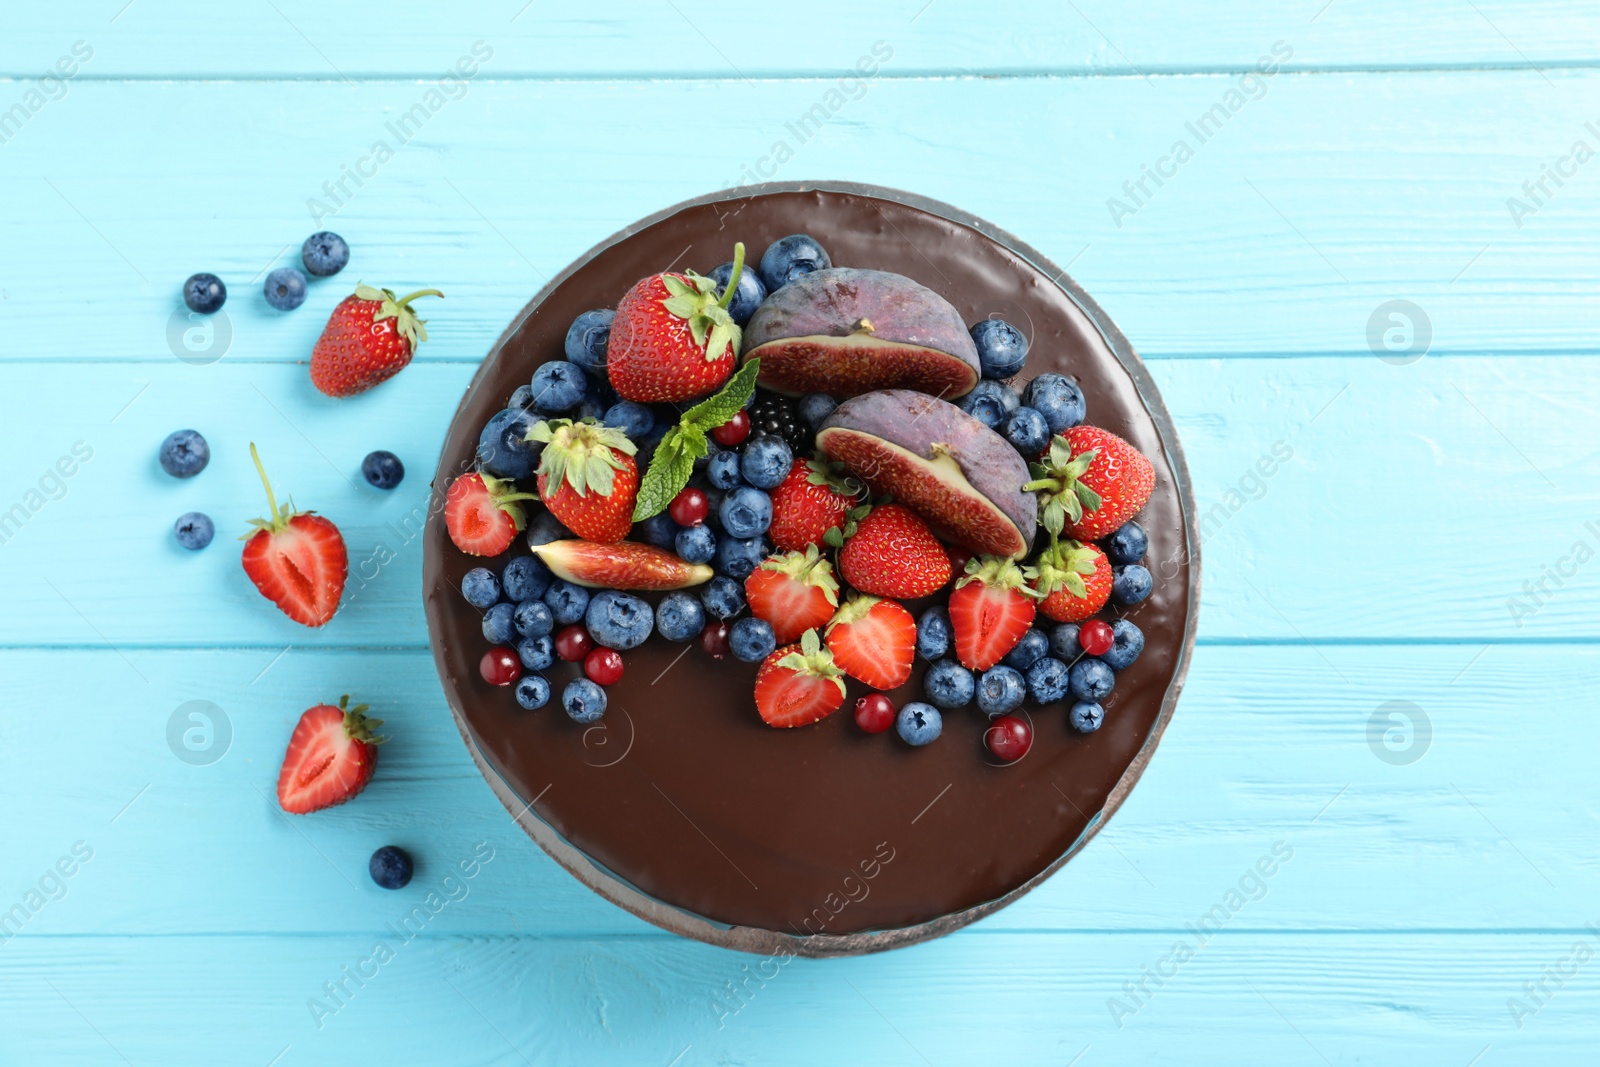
[1090, 482]
[672, 338]
[620, 565]
[331, 757]
[587, 477]
[482, 514]
[1074, 580]
[799, 684]
[889, 551]
[793, 592]
[296, 558]
[990, 609]
[808, 503]
[369, 338]
[873, 641]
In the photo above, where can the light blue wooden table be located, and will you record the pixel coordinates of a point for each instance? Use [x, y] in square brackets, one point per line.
[1430, 541]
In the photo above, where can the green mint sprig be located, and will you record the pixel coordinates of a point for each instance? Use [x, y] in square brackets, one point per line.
[673, 462]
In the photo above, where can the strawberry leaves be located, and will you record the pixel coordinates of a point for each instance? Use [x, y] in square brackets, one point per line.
[1063, 497]
[680, 446]
[693, 298]
[583, 453]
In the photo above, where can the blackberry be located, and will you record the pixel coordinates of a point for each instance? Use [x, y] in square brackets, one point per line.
[776, 414]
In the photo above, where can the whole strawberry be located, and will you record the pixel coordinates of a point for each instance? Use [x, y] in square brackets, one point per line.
[808, 503]
[331, 757]
[672, 338]
[588, 477]
[1073, 579]
[482, 514]
[1090, 482]
[296, 559]
[369, 338]
[890, 552]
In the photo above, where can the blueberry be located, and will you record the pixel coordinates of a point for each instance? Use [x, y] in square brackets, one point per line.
[382, 470]
[194, 530]
[567, 602]
[558, 386]
[722, 597]
[533, 618]
[480, 587]
[584, 701]
[714, 499]
[533, 692]
[933, 633]
[390, 867]
[948, 684]
[722, 470]
[324, 253]
[1001, 348]
[635, 420]
[521, 397]
[1058, 399]
[679, 617]
[766, 461]
[589, 408]
[600, 392]
[746, 512]
[1064, 642]
[752, 640]
[696, 544]
[747, 297]
[659, 530]
[1091, 679]
[789, 258]
[990, 402]
[1127, 544]
[1047, 680]
[1086, 716]
[285, 288]
[619, 620]
[504, 450]
[499, 624]
[587, 338]
[204, 293]
[537, 653]
[814, 407]
[1127, 642]
[184, 453]
[1033, 647]
[545, 528]
[525, 578]
[1027, 431]
[918, 723]
[647, 444]
[738, 556]
[1001, 689]
[1130, 583]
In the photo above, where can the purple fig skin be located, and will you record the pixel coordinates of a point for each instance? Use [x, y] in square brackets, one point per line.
[846, 331]
[964, 479]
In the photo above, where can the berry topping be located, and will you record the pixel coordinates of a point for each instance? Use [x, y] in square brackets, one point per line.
[588, 337]
[1001, 348]
[1127, 643]
[948, 684]
[673, 338]
[799, 684]
[1009, 737]
[679, 617]
[873, 641]
[1130, 584]
[789, 258]
[1090, 482]
[765, 461]
[1127, 544]
[1086, 716]
[990, 609]
[483, 513]
[1073, 579]
[587, 477]
[733, 432]
[1058, 399]
[619, 620]
[500, 666]
[573, 643]
[751, 640]
[714, 639]
[890, 552]
[1000, 690]
[811, 500]
[779, 416]
[584, 701]
[918, 723]
[793, 592]
[533, 692]
[603, 666]
[745, 512]
[875, 713]
[1096, 637]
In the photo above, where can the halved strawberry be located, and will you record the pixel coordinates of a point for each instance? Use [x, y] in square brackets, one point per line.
[588, 477]
[799, 684]
[808, 503]
[874, 641]
[990, 609]
[889, 551]
[482, 513]
[1074, 580]
[332, 754]
[296, 559]
[794, 592]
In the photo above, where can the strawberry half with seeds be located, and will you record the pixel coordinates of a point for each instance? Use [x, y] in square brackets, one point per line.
[793, 592]
[799, 684]
[873, 641]
[332, 754]
[482, 513]
[1074, 580]
[890, 552]
[588, 477]
[296, 559]
[672, 338]
[369, 338]
[990, 609]
[1090, 482]
[812, 500]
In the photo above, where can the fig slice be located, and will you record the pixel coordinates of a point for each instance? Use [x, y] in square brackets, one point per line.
[620, 565]
[964, 479]
[846, 331]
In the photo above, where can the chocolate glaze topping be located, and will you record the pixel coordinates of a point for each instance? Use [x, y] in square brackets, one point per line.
[681, 792]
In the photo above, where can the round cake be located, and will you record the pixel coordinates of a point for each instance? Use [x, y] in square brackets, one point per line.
[684, 807]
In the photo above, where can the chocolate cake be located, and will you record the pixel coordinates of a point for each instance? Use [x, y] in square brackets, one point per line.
[681, 805]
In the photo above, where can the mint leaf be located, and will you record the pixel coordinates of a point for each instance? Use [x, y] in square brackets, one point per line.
[725, 404]
[669, 472]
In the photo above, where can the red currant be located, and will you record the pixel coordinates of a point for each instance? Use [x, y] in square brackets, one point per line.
[958, 560]
[1096, 637]
[1009, 737]
[874, 713]
[714, 639]
[690, 507]
[603, 666]
[573, 642]
[734, 431]
[500, 666]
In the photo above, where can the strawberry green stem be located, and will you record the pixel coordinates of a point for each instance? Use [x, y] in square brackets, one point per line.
[733, 279]
[405, 300]
[272, 503]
